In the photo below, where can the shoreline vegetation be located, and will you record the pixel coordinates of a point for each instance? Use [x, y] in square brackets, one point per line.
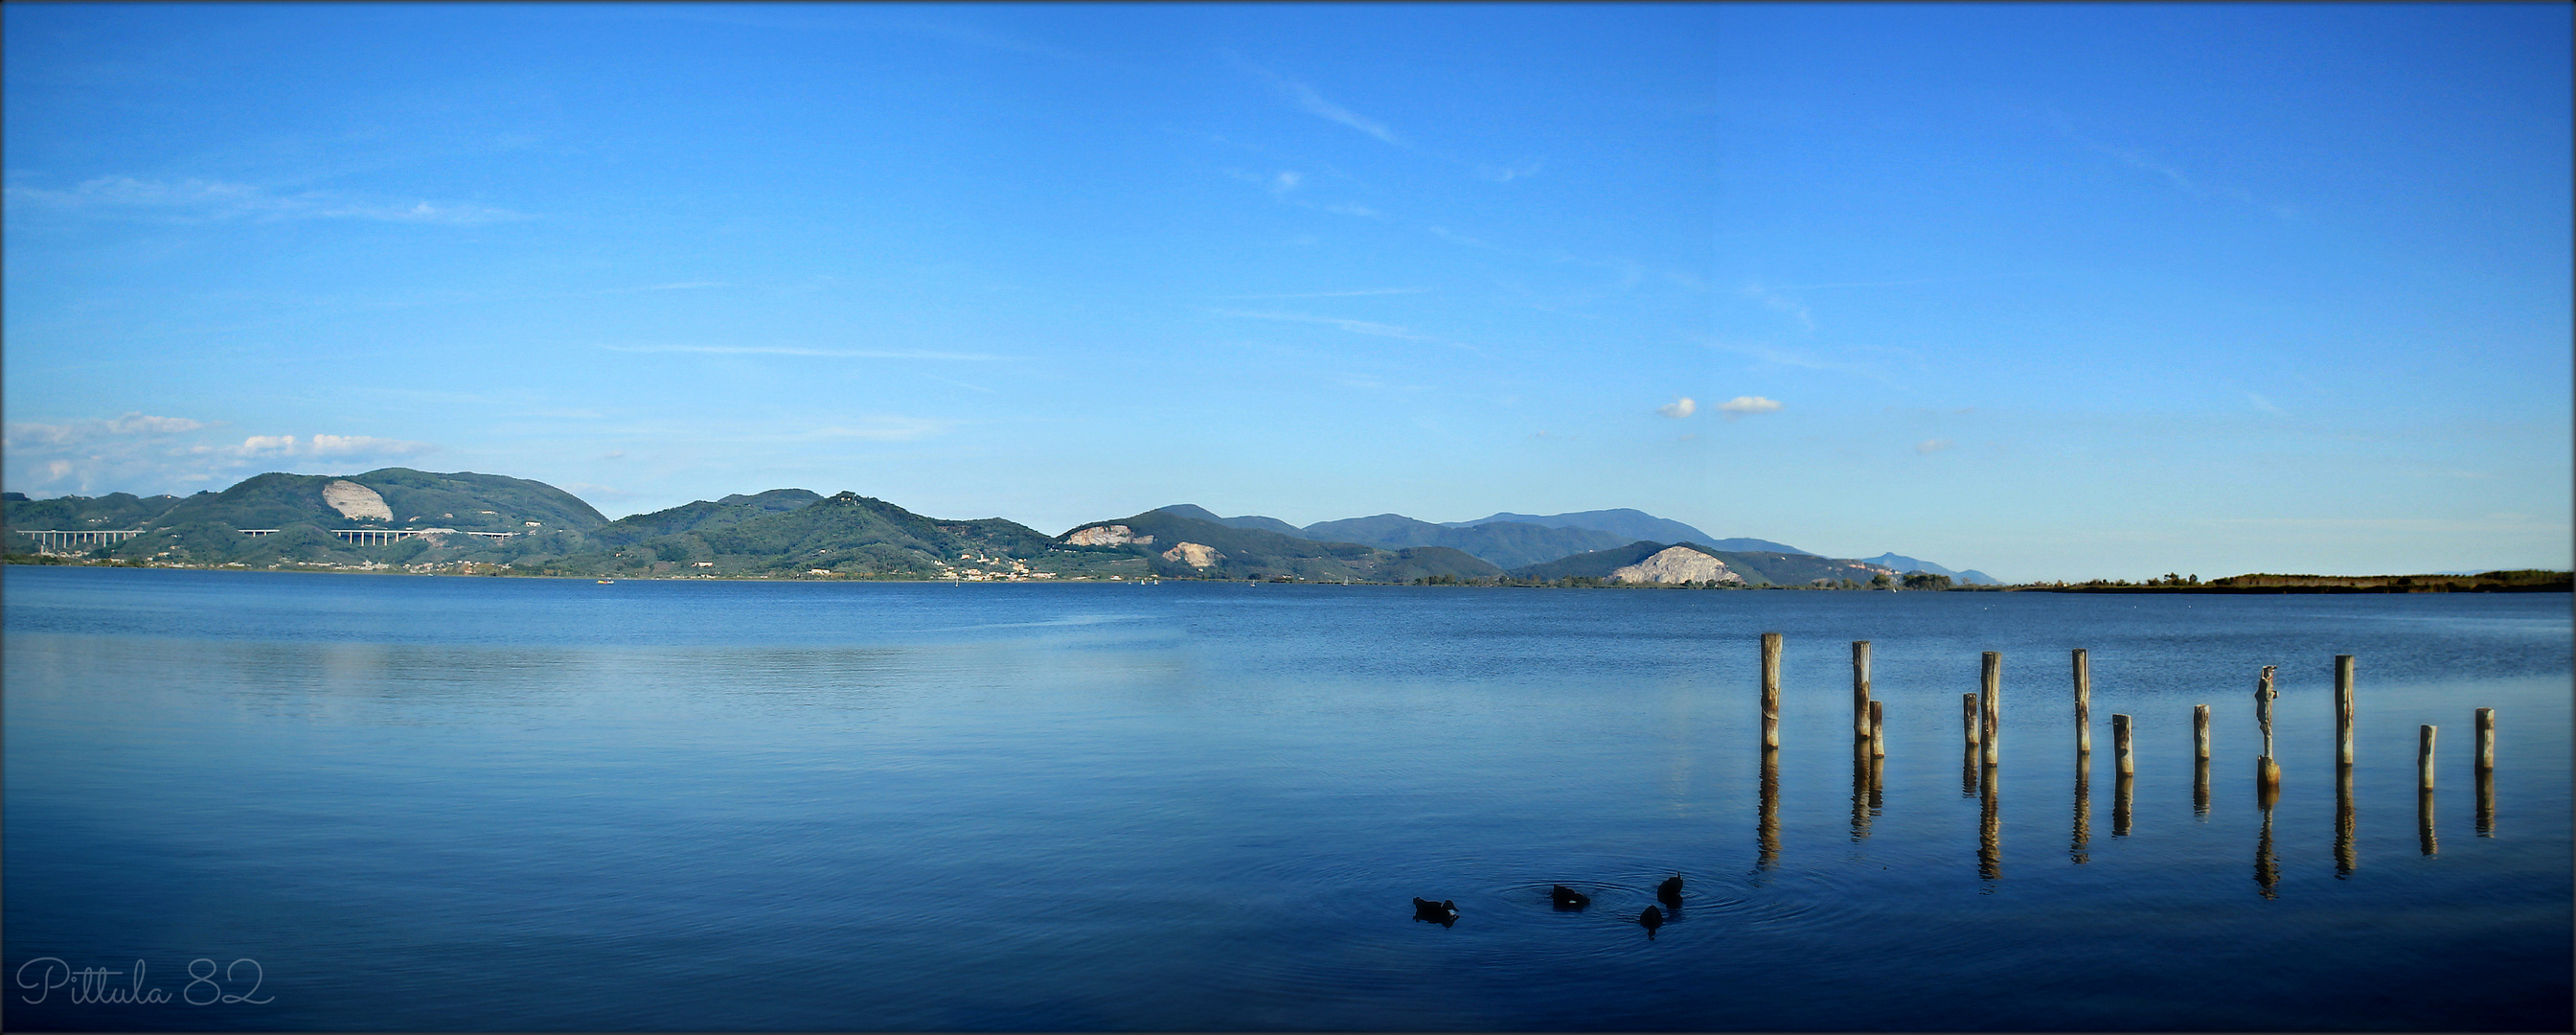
[2516, 581]
[402, 521]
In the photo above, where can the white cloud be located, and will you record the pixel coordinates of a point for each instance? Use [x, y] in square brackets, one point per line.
[1678, 408]
[2261, 403]
[203, 199]
[790, 350]
[1382, 330]
[260, 446]
[1747, 404]
[1929, 446]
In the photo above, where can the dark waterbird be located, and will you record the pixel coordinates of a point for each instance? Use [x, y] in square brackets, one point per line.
[1652, 918]
[1568, 898]
[1443, 912]
[1670, 890]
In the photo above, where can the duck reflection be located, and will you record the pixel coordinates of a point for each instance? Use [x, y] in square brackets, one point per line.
[2346, 858]
[1990, 828]
[2083, 809]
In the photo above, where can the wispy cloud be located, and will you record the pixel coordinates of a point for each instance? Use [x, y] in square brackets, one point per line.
[1332, 294]
[1313, 103]
[208, 200]
[1745, 405]
[1372, 328]
[792, 350]
[2261, 403]
[34, 435]
[887, 428]
[1678, 408]
[687, 285]
[1802, 360]
[1783, 303]
[1929, 446]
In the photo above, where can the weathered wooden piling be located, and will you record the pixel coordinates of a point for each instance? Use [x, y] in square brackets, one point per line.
[2343, 708]
[2424, 759]
[1968, 717]
[2264, 694]
[1860, 689]
[2486, 739]
[1992, 702]
[2267, 783]
[1770, 690]
[1878, 729]
[2347, 856]
[2120, 744]
[2200, 732]
[2083, 703]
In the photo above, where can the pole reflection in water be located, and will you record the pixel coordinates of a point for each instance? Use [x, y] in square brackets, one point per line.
[2200, 789]
[1878, 785]
[1990, 828]
[2486, 803]
[2424, 821]
[2347, 858]
[1860, 790]
[1968, 773]
[2267, 870]
[2083, 809]
[2121, 791]
[1767, 828]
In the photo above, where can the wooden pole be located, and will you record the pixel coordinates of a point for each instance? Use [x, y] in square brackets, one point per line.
[1993, 704]
[2343, 708]
[1770, 690]
[1877, 729]
[2200, 731]
[2263, 696]
[2424, 759]
[1968, 717]
[2120, 744]
[2486, 739]
[2200, 787]
[1860, 792]
[1860, 689]
[2486, 802]
[2083, 703]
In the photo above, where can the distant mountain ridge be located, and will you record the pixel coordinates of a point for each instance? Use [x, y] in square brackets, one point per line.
[403, 517]
[1505, 539]
[1904, 565]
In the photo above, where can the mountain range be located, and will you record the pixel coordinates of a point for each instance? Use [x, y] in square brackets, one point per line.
[446, 520]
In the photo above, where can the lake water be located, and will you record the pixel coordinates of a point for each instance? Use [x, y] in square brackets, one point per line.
[449, 803]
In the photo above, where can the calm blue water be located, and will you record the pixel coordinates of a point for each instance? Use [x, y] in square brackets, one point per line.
[443, 803]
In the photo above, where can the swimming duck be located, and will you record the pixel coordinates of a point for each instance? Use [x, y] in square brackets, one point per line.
[1443, 913]
[1568, 898]
[1652, 918]
[1670, 890]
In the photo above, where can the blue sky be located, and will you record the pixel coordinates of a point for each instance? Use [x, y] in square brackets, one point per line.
[2054, 292]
